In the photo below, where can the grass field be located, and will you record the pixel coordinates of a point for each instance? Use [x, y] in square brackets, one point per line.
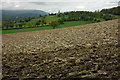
[66, 24]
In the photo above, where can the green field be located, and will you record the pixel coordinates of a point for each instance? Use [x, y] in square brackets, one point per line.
[66, 24]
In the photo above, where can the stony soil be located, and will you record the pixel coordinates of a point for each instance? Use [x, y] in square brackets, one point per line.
[87, 51]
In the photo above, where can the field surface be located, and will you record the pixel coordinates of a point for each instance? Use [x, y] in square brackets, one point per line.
[85, 51]
[66, 24]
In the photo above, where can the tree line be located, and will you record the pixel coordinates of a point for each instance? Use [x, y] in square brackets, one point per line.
[114, 11]
[19, 24]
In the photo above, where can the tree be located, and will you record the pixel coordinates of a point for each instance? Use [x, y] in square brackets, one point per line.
[27, 19]
[107, 17]
[60, 21]
[63, 18]
[11, 25]
[20, 25]
[43, 21]
[40, 15]
[54, 24]
[37, 23]
[7, 25]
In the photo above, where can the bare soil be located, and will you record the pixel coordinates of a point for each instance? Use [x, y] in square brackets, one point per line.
[86, 51]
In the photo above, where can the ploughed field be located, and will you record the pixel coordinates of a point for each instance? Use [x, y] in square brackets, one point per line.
[86, 51]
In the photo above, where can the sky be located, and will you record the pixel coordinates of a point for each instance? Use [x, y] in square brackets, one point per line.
[53, 6]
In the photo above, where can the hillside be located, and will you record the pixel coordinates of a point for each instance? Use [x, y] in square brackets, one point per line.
[114, 11]
[15, 23]
[86, 51]
[9, 14]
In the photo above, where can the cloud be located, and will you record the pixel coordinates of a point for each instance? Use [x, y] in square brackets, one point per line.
[80, 7]
[56, 5]
[17, 6]
[59, 1]
[38, 3]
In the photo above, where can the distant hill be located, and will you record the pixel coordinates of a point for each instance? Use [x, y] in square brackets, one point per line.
[114, 11]
[23, 13]
[8, 14]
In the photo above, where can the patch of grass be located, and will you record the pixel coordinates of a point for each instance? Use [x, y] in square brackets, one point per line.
[25, 30]
[66, 24]
[72, 23]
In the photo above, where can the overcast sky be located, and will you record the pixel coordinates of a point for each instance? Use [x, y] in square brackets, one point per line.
[62, 5]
